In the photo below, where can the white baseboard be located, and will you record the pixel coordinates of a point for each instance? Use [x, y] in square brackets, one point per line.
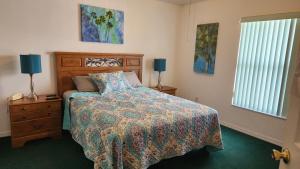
[252, 133]
[4, 133]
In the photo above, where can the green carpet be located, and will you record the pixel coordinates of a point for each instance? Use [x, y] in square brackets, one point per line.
[241, 152]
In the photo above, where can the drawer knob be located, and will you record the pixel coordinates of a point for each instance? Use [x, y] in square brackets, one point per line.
[23, 108]
[49, 114]
[24, 117]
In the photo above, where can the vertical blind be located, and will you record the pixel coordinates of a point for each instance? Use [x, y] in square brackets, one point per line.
[263, 61]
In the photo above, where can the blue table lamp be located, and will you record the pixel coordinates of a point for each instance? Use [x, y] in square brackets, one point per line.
[160, 66]
[31, 64]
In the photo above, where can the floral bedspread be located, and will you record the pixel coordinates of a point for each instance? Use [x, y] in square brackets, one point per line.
[139, 127]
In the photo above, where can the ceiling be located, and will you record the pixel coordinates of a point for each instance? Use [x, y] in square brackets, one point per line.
[180, 2]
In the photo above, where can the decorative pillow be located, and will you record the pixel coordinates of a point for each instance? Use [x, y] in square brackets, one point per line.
[132, 79]
[108, 82]
[84, 84]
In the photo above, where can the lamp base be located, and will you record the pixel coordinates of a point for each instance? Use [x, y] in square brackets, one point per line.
[159, 86]
[33, 96]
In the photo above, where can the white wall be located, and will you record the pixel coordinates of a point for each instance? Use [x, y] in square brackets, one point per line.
[152, 28]
[216, 90]
[45, 26]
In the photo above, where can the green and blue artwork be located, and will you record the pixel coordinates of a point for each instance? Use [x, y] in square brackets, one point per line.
[101, 25]
[206, 46]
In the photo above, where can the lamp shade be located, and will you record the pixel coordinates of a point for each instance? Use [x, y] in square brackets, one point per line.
[30, 64]
[159, 65]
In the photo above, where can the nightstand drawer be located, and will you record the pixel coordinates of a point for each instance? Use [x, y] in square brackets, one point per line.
[51, 106]
[21, 116]
[28, 112]
[35, 126]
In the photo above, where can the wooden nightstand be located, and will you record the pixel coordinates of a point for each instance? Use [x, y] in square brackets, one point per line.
[166, 89]
[34, 119]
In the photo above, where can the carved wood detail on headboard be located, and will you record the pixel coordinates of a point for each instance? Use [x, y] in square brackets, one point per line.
[70, 64]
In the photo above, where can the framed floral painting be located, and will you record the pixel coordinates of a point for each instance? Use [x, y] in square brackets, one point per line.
[205, 48]
[101, 25]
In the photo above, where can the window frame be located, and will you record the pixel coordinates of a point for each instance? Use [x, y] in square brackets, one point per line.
[295, 54]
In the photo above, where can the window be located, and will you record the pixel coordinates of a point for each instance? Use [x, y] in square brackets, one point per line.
[265, 51]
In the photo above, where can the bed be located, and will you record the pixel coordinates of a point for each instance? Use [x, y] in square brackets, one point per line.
[132, 128]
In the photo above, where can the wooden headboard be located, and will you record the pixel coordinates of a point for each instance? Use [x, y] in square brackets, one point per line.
[69, 64]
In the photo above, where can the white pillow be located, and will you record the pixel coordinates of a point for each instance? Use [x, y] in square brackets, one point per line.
[133, 79]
